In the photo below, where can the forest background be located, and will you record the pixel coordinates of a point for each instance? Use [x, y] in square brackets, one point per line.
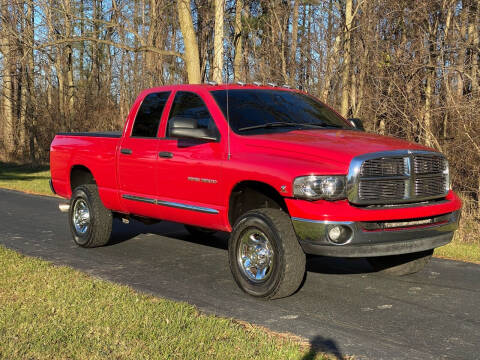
[407, 68]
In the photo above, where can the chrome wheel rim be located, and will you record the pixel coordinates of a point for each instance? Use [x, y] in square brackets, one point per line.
[81, 216]
[255, 255]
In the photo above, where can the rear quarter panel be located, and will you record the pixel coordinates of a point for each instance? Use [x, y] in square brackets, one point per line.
[98, 154]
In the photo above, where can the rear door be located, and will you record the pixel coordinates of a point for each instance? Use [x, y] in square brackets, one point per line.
[138, 158]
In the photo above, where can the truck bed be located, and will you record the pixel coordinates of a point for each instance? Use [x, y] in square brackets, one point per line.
[95, 151]
[111, 134]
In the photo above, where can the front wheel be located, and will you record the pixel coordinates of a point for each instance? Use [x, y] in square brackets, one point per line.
[402, 264]
[90, 222]
[265, 257]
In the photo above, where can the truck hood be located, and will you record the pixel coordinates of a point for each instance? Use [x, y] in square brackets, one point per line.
[333, 147]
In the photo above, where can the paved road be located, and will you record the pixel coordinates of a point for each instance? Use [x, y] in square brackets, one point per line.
[342, 308]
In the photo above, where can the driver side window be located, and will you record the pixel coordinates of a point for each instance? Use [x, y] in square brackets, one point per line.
[190, 105]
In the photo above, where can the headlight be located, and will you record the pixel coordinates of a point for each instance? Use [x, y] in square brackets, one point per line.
[319, 187]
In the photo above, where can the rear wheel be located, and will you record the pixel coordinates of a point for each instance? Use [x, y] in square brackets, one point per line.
[90, 222]
[265, 257]
[403, 264]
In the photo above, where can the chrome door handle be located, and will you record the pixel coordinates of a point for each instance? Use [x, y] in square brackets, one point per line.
[126, 151]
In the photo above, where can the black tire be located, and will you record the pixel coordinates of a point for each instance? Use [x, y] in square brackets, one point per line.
[287, 269]
[198, 231]
[403, 264]
[99, 227]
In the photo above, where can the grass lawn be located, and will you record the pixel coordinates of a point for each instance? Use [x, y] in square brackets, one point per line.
[459, 251]
[51, 312]
[28, 178]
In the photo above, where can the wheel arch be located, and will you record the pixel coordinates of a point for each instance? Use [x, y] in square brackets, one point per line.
[80, 175]
[250, 194]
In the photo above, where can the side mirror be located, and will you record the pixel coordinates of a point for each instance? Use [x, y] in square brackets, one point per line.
[182, 127]
[356, 123]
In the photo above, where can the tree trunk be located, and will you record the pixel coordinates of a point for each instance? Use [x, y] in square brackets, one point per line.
[150, 57]
[192, 60]
[346, 57]
[22, 100]
[293, 45]
[430, 81]
[27, 125]
[218, 42]
[238, 42]
[6, 42]
[363, 67]
[331, 56]
[69, 61]
[461, 51]
[427, 117]
[473, 37]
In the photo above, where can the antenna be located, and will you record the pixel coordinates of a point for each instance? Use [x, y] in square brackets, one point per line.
[229, 154]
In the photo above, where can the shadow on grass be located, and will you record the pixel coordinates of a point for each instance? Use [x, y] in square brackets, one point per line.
[321, 345]
[22, 168]
[18, 172]
[13, 171]
[21, 177]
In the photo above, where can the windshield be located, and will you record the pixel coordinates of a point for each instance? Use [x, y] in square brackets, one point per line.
[253, 111]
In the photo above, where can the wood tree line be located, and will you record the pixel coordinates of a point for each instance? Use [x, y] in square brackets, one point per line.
[408, 68]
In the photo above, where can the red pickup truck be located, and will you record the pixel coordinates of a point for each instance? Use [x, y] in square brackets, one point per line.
[279, 170]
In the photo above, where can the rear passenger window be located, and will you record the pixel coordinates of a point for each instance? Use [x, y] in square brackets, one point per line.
[149, 115]
[190, 105]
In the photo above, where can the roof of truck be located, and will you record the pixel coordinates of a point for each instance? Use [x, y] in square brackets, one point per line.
[212, 87]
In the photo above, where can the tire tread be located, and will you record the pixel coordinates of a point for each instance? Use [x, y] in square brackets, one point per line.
[293, 271]
[101, 223]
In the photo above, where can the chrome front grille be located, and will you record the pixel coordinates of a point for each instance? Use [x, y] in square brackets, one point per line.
[385, 189]
[430, 186]
[424, 164]
[397, 177]
[384, 167]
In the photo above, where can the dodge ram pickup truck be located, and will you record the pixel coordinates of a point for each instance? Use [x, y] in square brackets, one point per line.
[280, 171]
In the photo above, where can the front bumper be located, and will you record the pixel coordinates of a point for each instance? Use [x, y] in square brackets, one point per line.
[374, 232]
[363, 242]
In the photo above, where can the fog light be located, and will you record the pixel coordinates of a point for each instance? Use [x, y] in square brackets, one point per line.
[339, 234]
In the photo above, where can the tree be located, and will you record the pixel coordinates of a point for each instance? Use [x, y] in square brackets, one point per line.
[218, 42]
[192, 60]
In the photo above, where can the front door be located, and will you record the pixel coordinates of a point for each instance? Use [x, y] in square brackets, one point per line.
[190, 170]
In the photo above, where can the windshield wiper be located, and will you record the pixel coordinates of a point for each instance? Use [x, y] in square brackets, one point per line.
[270, 125]
[322, 125]
[287, 124]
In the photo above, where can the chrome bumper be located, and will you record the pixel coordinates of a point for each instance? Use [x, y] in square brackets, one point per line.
[377, 238]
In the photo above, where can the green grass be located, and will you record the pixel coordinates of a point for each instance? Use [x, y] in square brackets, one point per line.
[51, 312]
[465, 245]
[28, 178]
[459, 251]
